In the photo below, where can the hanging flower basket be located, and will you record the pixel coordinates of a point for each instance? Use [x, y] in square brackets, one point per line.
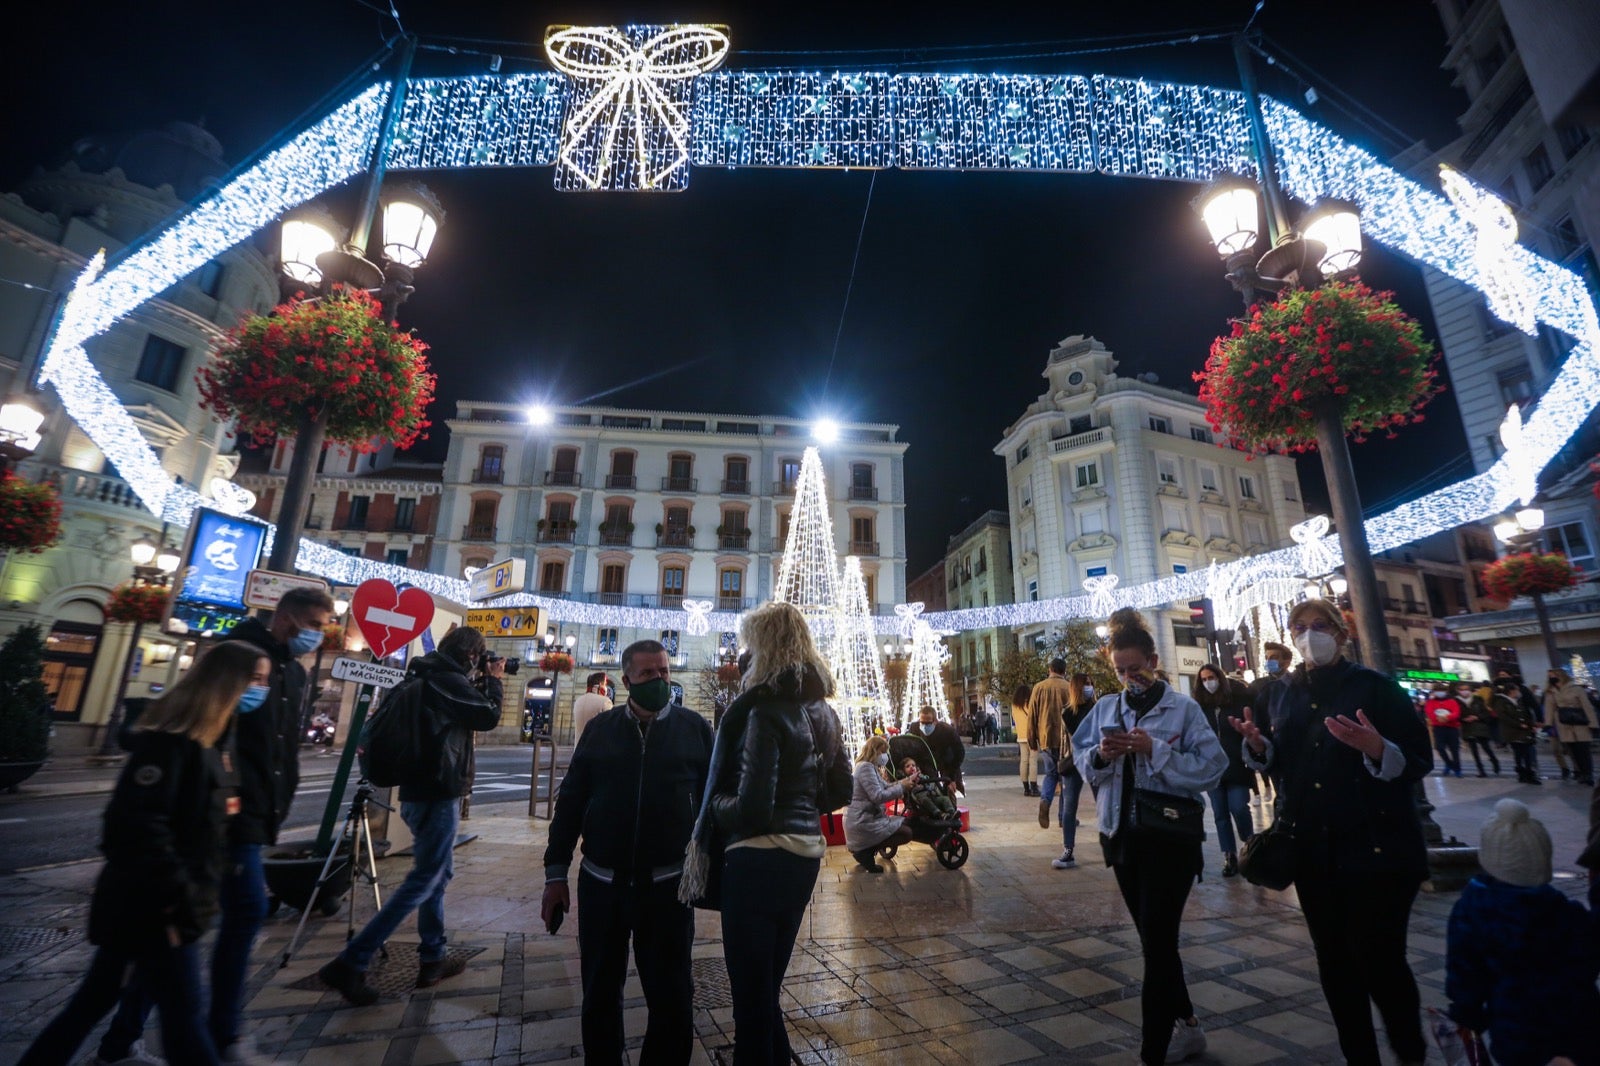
[30, 514]
[335, 358]
[1339, 344]
[1525, 573]
[137, 603]
[556, 662]
[728, 674]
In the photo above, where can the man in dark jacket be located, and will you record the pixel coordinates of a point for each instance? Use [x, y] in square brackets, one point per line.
[943, 742]
[632, 793]
[266, 753]
[456, 698]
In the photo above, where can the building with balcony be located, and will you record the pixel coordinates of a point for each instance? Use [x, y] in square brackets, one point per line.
[1108, 474]
[978, 573]
[110, 193]
[1528, 135]
[649, 508]
[927, 588]
[364, 504]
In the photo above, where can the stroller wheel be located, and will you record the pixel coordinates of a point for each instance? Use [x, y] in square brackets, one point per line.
[951, 850]
[889, 851]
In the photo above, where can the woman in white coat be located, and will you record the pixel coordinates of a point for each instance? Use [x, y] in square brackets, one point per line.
[866, 825]
[1150, 737]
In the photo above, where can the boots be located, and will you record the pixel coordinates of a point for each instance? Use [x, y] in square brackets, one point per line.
[865, 860]
[1230, 864]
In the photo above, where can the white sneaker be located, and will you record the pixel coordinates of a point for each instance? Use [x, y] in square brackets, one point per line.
[1187, 1041]
[1066, 862]
[138, 1055]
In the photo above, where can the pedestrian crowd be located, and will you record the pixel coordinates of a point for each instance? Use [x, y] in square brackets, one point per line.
[664, 815]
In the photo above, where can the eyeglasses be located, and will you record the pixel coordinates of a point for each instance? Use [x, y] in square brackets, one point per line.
[1321, 625]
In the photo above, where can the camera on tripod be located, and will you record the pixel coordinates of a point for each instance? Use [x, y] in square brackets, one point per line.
[512, 665]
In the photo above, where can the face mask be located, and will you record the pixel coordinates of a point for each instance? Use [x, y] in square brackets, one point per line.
[253, 697]
[882, 758]
[305, 642]
[927, 728]
[1135, 687]
[1211, 684]
[1088, 691]
[1318, 649]
[651, 695]
[1274, 666]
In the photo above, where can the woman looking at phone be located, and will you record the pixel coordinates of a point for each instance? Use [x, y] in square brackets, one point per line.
[1152, 738]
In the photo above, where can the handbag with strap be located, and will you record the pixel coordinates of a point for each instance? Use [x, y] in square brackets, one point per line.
[835, 782]
[1268, 859]
[1168, 815]
[1571, 716]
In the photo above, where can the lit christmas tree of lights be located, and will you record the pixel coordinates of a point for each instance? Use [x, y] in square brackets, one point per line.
[809, 576]
[925, 676]
[861, 696]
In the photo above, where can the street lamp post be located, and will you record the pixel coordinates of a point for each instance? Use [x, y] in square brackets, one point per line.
[152, 565]
[312, 258]
[19, 431]
[1327, 244]
[1520, 532]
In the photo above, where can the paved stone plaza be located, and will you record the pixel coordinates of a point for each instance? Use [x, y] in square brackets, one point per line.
[1006, 960]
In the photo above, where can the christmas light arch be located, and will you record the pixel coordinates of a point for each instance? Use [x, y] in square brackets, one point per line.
[789, 118]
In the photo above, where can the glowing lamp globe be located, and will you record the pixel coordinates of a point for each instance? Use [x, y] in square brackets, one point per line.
[1507, 530]
[1339, 586]
[1230, 209]
[167, 559]
[143, 551]
[19, 424]
[1530, 519]
[826, 431]
[1336, 226]
[411, 219]
[303, 236]
[539, 415]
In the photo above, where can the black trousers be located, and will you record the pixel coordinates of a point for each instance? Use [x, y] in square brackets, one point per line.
[1155, 878]
[1582, 756]
[764, 897]
[1480, 747]
[662, 931]
[1527, 760]
[1358, 927]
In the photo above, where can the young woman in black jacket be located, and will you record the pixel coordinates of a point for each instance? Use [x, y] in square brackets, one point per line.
[1222, 698]
[1348, 747]
[773, 755]
[163, 843]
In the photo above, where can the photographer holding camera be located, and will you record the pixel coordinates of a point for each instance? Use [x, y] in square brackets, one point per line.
[457, 691]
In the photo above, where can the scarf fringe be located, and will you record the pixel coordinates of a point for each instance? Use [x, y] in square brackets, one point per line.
[696, 866]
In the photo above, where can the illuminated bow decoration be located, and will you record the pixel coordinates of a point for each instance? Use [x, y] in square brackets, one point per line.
[699, 612]
[1315, 558]
[1496, 235]
[1100, 588]
[633, 86]
[1521, 472]
[234, 499]
[908, 613]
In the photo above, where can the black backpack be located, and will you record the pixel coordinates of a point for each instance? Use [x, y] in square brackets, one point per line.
[397, 743]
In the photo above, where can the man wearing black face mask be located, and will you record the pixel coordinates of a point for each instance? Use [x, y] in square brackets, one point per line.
[632, 793]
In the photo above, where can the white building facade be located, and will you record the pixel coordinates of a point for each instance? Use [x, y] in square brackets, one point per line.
[1115, 475]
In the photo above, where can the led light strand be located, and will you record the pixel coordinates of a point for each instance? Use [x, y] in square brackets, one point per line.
[809, 574]
[860, 695]
[924, 674]
[1160, 130]
[793, 119]
[1496, 228]
[485, 121]
[994, 122]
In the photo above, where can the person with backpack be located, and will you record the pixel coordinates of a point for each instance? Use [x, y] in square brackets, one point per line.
[447, 695]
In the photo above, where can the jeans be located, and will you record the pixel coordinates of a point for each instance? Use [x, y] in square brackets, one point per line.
[243, 900]
[1358, 928]
[172, 976]
[1481, 746]
[1155, 879]
[1232, 801]
[764, 893]
[1526, 755]
[662, 930]
[1447, 742]
[1065, 774]
[433, 824]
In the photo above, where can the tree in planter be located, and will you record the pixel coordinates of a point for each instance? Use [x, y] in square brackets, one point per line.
[719, 686]
[1306, 369]
[1076, 642]
[24, 704]
[318, 370]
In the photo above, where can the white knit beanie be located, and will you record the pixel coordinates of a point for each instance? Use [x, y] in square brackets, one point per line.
[1515, 846]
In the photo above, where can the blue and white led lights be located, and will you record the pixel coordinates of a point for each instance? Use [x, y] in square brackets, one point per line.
[1113, 125]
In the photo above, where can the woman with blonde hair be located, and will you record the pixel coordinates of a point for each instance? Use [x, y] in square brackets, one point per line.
[778, 747]
[163, 842]
[866, 827]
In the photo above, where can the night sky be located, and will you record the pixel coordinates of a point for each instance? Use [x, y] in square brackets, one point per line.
[964, 281]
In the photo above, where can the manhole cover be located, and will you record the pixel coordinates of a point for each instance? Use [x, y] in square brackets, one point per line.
[394, 976]
[21, 939]
[711, 983]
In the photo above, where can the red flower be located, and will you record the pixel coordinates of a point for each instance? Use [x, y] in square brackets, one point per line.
[137, 603]
[30, 514]
[1524, 573]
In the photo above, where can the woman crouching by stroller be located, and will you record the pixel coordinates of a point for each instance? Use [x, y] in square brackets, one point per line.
[163, 842]
[866, 827]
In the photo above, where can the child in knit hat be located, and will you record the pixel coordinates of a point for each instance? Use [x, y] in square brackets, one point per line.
[1521, 958]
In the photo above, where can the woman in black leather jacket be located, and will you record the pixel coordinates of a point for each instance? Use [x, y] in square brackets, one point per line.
[163, 842]
[780, 740]
[1348, 747]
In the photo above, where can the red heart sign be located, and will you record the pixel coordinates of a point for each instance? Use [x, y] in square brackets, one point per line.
[389, 619]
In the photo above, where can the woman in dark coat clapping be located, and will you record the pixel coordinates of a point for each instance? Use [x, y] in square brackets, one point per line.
[1349, 747]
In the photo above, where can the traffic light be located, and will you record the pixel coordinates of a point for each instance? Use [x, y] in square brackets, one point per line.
[1200, 615]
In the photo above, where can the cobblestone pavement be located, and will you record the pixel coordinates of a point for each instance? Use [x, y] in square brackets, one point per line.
[1006, 960]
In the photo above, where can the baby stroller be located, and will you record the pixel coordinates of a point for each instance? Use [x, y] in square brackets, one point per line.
[942, 833]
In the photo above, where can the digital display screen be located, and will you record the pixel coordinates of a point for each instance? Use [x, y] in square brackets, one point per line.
[223, 549]
[204, 620]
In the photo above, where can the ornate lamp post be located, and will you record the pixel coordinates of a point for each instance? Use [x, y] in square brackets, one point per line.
[19, 431]
[153, 567]
[1520, 532]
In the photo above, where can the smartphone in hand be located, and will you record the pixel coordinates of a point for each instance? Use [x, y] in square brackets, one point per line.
[1113, 730]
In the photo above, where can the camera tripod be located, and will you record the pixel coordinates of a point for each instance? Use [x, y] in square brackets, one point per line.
[363, 866]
